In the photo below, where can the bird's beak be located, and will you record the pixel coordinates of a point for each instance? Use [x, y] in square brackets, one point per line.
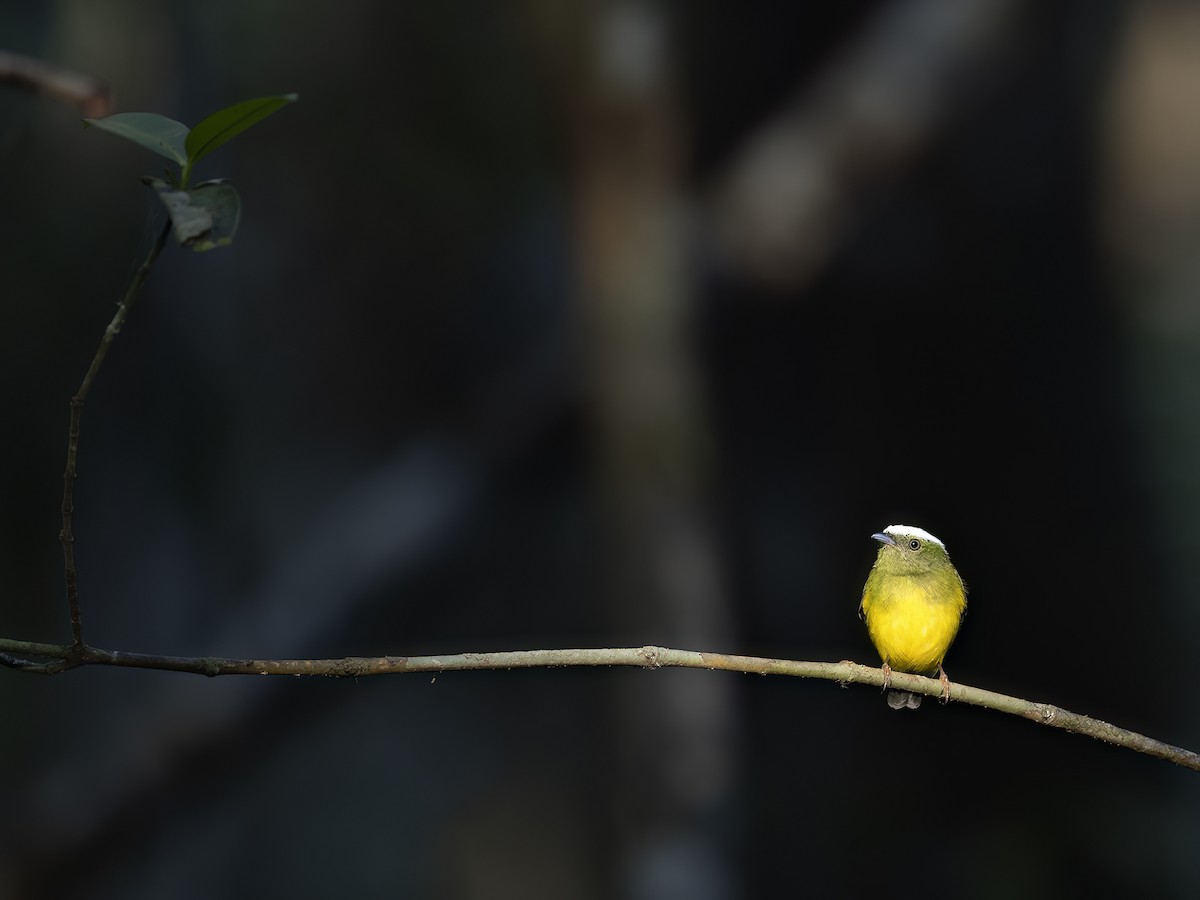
[884, 538]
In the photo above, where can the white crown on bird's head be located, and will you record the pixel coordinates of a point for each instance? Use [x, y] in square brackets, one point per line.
[912, 531]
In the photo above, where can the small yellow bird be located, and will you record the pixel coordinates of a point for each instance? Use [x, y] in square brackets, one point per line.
[913, 602]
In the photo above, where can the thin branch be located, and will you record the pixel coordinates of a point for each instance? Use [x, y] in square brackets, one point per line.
[845, 673]
[67, 535]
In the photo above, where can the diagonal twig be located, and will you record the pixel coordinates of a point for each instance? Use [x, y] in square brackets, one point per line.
[67, 535]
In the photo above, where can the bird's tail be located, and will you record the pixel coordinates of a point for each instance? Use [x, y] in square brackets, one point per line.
[903, 699]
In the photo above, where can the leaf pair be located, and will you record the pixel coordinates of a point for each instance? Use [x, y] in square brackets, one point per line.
[207, 216]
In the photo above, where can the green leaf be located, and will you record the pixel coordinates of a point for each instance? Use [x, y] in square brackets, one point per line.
[164, 136]
[229, 123]
[203, 218]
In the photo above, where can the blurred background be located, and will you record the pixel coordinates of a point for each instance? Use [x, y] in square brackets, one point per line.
[607, 323]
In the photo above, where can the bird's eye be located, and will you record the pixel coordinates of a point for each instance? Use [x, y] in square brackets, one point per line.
[914, 544]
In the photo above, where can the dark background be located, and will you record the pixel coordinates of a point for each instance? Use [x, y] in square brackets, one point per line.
[513, 351]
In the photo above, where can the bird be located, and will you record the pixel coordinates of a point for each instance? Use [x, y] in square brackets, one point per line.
[913, 603]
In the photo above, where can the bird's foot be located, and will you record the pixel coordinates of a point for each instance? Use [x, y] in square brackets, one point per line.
[945, 698]
[887, 676]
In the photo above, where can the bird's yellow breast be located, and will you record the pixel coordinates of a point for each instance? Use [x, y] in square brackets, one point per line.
[911, 624]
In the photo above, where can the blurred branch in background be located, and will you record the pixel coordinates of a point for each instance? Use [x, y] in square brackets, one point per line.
[636, 295]
[780, 211]
[1151, 202]
[87, 94]
[1149, 193]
